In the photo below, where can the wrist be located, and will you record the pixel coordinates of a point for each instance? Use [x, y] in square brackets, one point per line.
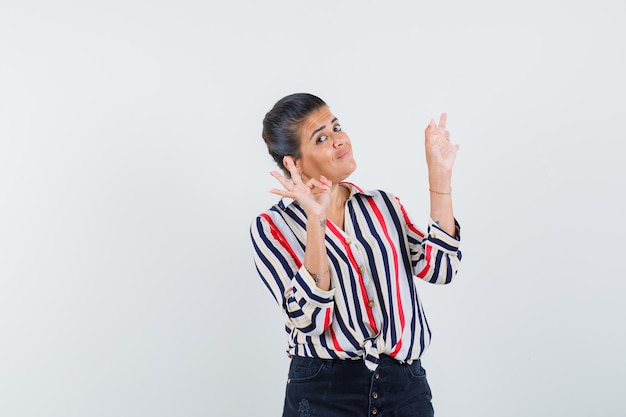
[443, 186]
[440, 192]
[317, 277]
[316, 213]
[439, 178]
[317, 222]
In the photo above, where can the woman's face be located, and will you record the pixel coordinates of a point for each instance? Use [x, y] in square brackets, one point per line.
[325, 148]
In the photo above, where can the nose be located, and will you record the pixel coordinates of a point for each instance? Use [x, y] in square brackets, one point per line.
[338, 140]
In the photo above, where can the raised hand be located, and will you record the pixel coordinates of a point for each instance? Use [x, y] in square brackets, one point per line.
[313, 196]
[440, 153]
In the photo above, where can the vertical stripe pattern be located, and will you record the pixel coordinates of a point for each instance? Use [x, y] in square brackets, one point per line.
[373, 305]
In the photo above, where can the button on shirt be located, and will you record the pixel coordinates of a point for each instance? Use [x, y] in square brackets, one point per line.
[372, 307]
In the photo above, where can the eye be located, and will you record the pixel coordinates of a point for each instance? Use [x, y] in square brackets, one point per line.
[337, 128]
[321, 139]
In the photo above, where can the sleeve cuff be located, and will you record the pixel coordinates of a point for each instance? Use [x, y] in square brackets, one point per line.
[442, 239]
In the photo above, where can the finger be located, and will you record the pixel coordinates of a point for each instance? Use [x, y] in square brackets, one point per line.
[443, 120]
[285, 183]
[430, 126]
[281, 193]
[313, 183]
[328, 183]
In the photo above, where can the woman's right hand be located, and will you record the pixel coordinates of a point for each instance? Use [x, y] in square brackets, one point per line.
[313, 196]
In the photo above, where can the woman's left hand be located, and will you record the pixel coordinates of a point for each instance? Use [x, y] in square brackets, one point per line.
[440, 153]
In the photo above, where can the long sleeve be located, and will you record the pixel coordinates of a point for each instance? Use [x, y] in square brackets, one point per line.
[278, 258]
[435, 255]
[375, 261]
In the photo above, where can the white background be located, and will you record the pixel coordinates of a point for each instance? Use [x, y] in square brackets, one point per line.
[131, 167]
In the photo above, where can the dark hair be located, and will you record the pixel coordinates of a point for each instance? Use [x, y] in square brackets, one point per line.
[281, 125]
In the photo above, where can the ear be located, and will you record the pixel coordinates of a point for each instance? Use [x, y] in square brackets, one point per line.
[288, 161]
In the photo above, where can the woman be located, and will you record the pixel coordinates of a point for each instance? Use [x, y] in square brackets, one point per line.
[343, 263]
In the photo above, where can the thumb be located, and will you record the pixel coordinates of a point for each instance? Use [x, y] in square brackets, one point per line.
[431, 126]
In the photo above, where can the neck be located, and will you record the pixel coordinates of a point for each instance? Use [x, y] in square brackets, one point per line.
[338, 196]
[336, 210]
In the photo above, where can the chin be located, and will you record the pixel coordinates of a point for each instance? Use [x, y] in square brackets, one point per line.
[353, 168]
[347, 174]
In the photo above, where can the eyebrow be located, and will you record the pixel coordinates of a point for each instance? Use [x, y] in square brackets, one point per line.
[322, 128]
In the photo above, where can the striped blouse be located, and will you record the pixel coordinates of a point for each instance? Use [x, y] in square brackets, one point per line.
[372, 307]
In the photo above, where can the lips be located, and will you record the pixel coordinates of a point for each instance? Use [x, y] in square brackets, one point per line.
[344, 154]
